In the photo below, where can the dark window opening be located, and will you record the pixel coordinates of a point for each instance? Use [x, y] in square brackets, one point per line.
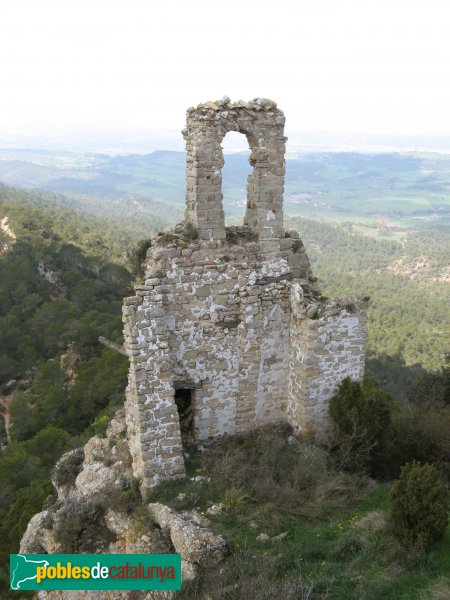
[183, 400]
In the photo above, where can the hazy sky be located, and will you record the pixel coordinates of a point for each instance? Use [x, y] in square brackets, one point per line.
[332, 65]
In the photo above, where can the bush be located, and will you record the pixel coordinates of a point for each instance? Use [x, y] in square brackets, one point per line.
[68, 467]
[124, 498]
[432, 388]
[81, 527]
[190, 232]
[419, 505]
[281, 477]
[250, 576]
[137, 256]
[361, 415]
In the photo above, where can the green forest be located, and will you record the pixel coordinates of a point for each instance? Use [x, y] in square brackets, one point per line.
[62, 281]
[59, 291]
[408, 282]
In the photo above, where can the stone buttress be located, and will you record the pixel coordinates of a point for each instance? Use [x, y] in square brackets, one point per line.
[230, 327]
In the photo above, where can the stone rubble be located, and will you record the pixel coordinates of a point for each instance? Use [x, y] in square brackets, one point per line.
[190, 537]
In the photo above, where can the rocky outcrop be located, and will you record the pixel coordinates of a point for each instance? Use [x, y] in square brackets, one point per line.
[38, 537]
[99, 509]
[191, 537]
[9, 237]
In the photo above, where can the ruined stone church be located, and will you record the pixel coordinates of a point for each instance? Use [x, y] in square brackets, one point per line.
[230, 330]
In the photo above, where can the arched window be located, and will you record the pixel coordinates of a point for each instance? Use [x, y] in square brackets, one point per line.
[206, 128]
[235, 172]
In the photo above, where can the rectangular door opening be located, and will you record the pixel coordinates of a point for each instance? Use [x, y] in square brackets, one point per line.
[183, 400]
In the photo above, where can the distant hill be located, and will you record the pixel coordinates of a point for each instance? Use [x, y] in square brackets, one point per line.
[383, 194]
[408, 278]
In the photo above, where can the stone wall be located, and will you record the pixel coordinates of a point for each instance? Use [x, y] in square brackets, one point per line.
[263, 125]
[324, 350]
[246, 331]
[151, 413]
[235, 318]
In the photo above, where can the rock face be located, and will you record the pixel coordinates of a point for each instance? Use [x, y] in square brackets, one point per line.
[190, 536]
[86, 480]
[92, 484]
[231, 320]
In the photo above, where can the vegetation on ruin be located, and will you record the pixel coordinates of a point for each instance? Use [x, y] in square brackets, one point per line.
[329, 532]
[84, 246]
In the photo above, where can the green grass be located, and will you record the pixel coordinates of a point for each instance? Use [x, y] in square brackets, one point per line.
[338, 542]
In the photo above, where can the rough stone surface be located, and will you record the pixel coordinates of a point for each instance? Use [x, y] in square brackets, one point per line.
[263, 125]
[89, 473]
[190, 535]
[38, 538]
[162, 531]
[235, 317]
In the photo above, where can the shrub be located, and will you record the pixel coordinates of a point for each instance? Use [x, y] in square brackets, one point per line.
[124, 498]
[281, 477]
[297, 245]
[419, 505]
[100, 424]
[432, 388]
[27, 502]
[361, 415]
[81, 527]
[68, 467]
[251, 576]
[190, 232]
[240, 235]
[137, 256]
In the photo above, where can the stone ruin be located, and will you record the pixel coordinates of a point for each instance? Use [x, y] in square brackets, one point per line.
[229, 330]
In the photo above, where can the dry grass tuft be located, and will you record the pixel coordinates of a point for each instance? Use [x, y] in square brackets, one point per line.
[373, 521]
[248, 578]
[439, 591]
[283, 477]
